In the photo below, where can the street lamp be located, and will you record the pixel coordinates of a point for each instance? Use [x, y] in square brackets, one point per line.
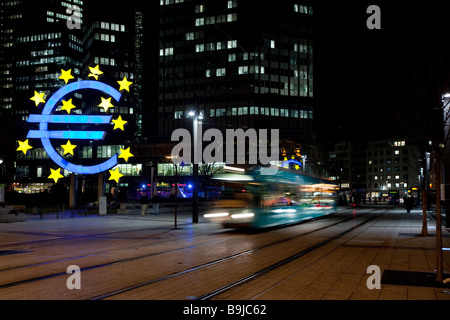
[197, 117]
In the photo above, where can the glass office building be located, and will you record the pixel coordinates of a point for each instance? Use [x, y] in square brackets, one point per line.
[244, 64]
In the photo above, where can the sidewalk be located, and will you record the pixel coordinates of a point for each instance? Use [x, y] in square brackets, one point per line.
[406, 261]
[338, 271]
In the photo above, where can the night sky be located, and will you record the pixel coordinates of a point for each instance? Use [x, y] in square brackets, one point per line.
[353, 67]
[360, 71]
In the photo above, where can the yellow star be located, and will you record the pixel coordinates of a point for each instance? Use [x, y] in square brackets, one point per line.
[95, 72]
[66, 75]
[115, 175]
[68, 148]
[125, 154]
[297, 167]
[125, 84]
[24, 146]
[106, 104]
[67, 105]
[119, 123]
[38, 98]
[56, 175]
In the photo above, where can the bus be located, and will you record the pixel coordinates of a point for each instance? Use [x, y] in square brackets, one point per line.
[394, 197]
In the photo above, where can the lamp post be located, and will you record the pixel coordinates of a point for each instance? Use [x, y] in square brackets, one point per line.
[446, 182]
[197, 118]
[176, 189]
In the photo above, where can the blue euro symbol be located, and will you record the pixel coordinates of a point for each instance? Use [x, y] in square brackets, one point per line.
[287, 163]
[46, 117]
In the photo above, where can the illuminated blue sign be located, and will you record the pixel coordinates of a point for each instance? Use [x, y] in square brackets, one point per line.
[46, 117]
[287, 163]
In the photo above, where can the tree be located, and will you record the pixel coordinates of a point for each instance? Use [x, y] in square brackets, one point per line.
[420, 164]
[424, 74]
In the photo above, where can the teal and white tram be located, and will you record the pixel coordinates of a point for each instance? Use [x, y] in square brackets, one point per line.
[250, 199]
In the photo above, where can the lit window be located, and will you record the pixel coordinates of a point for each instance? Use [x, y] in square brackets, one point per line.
[243, 70]
[168, 52]
[199, 48]
[210, 46]
[242, 111]
[190, 36]
[199, 22]
[231, 17]
[232, 44]
[232, 4]
[221, 72]
[254, 110]
[178, 114]
[275, 112]
[200, 8]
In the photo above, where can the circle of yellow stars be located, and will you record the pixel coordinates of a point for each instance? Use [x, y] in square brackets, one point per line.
[68, 148]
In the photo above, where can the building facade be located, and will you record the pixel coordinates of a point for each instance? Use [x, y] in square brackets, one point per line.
[37, 42]
[35, 45]
[373, 169]
[240, 63]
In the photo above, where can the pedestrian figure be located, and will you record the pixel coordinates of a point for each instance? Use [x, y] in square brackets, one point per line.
[144, 205]
[408, 203]
[156, 204]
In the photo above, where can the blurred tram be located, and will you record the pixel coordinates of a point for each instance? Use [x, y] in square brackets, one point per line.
[250, 199]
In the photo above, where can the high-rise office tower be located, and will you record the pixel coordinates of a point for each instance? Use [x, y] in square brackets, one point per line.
[244, 64]
[114, 41]
[38, 41]
[35, 44]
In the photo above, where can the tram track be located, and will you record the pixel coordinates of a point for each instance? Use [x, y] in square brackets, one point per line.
[200, 266]
[278, 264]
[65, 237]
[97, 236]
[105, 235]
[245, 279]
